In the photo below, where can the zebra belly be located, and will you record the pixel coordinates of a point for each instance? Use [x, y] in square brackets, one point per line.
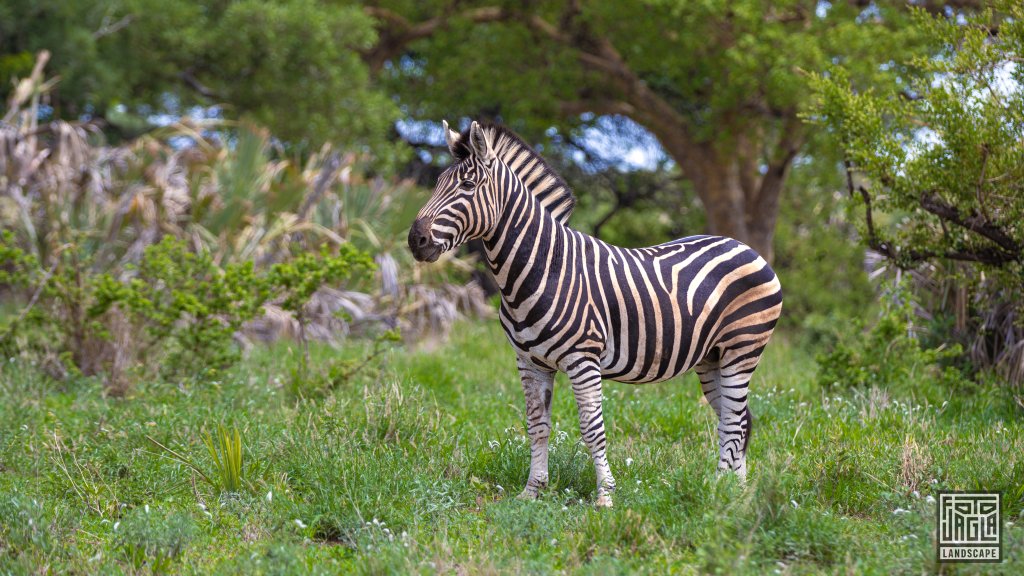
[667, 360]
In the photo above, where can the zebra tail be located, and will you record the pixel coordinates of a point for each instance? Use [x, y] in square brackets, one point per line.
[748, 425]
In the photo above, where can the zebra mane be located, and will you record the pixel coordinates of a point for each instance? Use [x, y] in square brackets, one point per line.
[539, 178]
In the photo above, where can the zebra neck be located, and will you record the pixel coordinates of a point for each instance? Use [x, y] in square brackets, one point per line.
[525, 244]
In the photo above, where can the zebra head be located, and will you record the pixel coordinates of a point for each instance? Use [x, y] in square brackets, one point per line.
[464, 205]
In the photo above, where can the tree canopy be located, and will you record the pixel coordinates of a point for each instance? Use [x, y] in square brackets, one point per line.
[294, 66]
[720, 84]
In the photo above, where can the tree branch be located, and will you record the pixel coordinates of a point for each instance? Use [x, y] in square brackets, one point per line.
[398, 32]
[1007, 250]
[977, 223]
[790, 141]
[190, 80]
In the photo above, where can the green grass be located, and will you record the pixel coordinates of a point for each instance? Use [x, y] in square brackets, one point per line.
[414, 469]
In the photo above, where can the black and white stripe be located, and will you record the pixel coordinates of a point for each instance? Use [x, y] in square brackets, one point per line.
[575, 304]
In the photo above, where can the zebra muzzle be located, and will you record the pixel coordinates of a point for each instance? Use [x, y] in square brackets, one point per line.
[421, 242]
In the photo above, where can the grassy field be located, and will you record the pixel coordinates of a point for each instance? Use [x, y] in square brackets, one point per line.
[414, 469]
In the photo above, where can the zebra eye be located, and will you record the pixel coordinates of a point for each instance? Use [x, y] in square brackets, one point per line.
[467, 185]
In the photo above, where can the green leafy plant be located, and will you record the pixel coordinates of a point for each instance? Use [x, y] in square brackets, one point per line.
[933, 172]
[179, 309]
[23, 524]
[888, 353]
[226, 452]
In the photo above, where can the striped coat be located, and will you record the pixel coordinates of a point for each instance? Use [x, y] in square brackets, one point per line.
[572, 303]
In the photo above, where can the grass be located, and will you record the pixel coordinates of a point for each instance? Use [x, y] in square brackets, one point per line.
[413, 470]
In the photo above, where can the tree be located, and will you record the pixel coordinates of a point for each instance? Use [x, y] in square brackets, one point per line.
[293, 65]
[719, 83]
[937, 166]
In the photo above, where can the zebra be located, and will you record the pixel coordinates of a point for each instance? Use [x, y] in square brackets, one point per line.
[575, 304]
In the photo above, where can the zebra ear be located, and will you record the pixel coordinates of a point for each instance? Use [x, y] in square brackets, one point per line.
[479, 143]
[450, 136]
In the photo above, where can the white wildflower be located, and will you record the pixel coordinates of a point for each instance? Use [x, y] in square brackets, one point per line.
[300, 523]
[629, 461]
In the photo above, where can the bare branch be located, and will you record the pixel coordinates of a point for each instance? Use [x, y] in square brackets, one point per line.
[398, 32]
[977, 223]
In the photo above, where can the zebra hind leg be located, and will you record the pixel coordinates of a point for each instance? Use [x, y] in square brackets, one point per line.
[724, 381]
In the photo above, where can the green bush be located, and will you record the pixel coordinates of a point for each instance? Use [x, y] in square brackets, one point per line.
[888, 353]
[177, 309]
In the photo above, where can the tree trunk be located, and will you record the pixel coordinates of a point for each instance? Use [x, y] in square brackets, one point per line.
[737, 205]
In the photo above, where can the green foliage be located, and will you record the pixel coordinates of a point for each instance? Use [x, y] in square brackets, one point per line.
[182, 297]
[180, 306]
[23, 525]
[951, 134]
[226, 452]
[148, 539]
[683, 53]
[935, 165]
[888, 354]
[18, 266]
[818, 257]
[294, 66]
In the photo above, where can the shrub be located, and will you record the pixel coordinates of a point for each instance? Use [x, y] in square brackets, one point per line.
[888, 353]
[934, 165]
[176, 309]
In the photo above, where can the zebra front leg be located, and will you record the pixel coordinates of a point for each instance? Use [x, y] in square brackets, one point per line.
[585, 375]
[538, 385]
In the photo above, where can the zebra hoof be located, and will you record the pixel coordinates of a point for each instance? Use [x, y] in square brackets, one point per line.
[604, 501]
[527, 494]
[740, 474]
